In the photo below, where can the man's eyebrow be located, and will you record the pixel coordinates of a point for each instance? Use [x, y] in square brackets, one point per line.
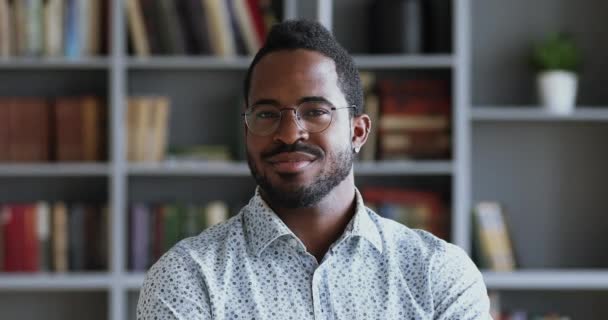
[266, 101]
[301, 100]
[313, 99]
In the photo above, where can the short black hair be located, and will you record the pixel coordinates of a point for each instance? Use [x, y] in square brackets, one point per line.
[311, 35]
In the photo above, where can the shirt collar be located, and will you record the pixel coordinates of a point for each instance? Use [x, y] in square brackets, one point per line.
[263, 226]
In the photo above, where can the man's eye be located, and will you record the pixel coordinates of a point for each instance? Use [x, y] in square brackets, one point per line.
[315, 113]
[267, 115]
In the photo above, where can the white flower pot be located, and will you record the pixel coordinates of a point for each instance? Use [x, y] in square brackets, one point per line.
[557, 91]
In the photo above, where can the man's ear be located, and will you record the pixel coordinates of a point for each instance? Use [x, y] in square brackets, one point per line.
[361, 127]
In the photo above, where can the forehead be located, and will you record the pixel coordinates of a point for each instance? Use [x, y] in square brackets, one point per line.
[292, 74]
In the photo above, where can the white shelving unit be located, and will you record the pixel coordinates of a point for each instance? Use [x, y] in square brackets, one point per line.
[468, 175]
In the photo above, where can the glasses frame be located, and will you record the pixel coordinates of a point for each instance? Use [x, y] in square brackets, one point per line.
[297, 118]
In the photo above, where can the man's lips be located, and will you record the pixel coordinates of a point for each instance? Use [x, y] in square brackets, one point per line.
[291, 162]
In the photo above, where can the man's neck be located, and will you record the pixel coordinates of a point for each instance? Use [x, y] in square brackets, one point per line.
[318, 227]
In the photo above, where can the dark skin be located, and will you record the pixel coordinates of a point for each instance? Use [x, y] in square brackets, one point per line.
[287, 78]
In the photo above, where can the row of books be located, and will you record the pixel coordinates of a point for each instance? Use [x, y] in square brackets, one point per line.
[70, 28]
[417, 209]
[61, 129]
[493, 249]
[56, 237]
[147, 125]
[155, 228]
[411, 118]
[498, 313]
[410, 26]
[208, 27]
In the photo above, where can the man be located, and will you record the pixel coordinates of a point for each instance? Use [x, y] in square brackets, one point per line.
[305, 247]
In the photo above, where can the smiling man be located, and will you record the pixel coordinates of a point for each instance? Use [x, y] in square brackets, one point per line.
[306, 247]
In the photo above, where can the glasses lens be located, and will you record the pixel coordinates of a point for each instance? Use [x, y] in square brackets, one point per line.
[314, 116]
[263, 119]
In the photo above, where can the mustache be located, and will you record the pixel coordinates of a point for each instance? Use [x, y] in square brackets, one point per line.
[296, 147]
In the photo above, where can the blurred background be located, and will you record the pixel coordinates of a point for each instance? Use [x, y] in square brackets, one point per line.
[120, 134]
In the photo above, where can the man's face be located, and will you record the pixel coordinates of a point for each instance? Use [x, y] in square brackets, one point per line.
[295, 168]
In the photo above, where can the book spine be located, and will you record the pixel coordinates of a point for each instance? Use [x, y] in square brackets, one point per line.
[60, 237]
[5, 29]
[44, 235]
[5, 131]
[140, 237]
[76, 237]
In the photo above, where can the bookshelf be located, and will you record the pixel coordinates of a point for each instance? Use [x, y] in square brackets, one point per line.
[504, 149]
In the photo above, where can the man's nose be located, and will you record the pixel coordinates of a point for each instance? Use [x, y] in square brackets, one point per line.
[289, 132]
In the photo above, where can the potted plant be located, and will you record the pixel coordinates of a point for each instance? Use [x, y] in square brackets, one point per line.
[556, 60]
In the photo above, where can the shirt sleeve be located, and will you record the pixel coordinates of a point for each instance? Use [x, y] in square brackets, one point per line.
[174, 289]
[458, 288]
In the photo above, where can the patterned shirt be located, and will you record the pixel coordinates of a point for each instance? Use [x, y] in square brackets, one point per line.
[254, 267]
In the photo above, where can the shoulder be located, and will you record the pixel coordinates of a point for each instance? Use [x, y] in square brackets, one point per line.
[398, 238]
[205, 249]
[438, 256]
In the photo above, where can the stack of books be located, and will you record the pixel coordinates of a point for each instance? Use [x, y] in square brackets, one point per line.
[56, 237]
[206, 27]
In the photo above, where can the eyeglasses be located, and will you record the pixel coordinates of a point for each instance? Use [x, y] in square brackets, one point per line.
[312, 116]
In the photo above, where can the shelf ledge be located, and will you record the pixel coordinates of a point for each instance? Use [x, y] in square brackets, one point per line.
[189, 62]
[536, 113]
[241, 168]
[55, 63]
[382, 61]
[54, 169]
[550, 279]
[54, 281]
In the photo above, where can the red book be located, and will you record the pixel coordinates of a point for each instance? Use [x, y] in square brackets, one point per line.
[414, 96]
[14, 238]
[31, 246]
[258, 19]
[159, 227]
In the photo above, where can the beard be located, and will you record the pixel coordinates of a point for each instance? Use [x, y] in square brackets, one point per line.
[302, 196]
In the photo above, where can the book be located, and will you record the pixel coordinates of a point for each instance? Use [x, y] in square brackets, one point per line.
[80, 124]
[137, 29]
[53, 27]
[237, 33]
[437, 26]
[159, 129]
[171, 33]
[147, 124]
[418, 209]
[93, 129]
[76, 238]
[59, 237]
[495, 248]
[415, 119]
[150, 19]
[5, 29]
[4, 216]
[29, 130]
[140, 236]
[397, 26]
[71, 27]
[95, 32]
[193, 19]
[220, 30]
[30, 240]
[246, 26]
[43, 233]
[156, 227]
[5, 129]
[217, 212]
[258, 20]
